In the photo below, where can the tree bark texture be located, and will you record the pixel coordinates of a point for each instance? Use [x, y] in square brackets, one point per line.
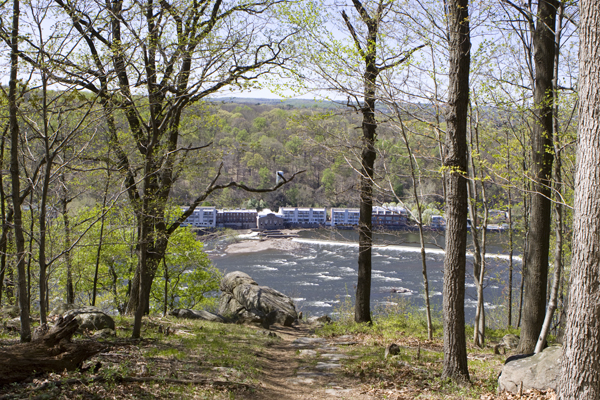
[510, 260]
[43, 204]
[527, 208]
[6, 222]
[51, 352]
[70, 288]
[14, 175]
[455, 163]
[580, 378]
[362, 309]
[365, 234]
[536, 274]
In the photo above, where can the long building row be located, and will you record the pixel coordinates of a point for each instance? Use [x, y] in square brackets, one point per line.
[294, 217]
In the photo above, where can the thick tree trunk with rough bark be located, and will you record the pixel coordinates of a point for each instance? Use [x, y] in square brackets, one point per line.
[14, 175]
[580, 378]
[536, 275]
[51, 352]
[362, 312]
[362, 309]
[455, 165]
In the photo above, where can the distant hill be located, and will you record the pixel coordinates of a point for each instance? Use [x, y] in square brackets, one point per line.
[291, 103]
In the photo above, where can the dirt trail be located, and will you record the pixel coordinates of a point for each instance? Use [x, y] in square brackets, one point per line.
[301, 367]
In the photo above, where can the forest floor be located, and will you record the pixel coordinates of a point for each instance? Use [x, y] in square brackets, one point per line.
[184, 359]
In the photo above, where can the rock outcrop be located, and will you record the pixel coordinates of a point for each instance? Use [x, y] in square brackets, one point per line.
[91, 319]
[247, 302]
[197, 314]
[539, 371]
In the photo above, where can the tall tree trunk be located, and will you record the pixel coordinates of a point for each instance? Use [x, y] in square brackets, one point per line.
[580, 377]
[14, 175]
[480, 319]
[362, 312]
[166, 288]
[145, 268]
[44, 197]
[478, 254]
[510, 235]
[6, 219]
[101, 238]
[455, 163]
[10, 282]
[413, 168]
[527, 208]
[70, 290]
[472, 199]
[30, 250]
[558, 265]
[480, 312]
[362, 309]
[536, 274]
[510, 259]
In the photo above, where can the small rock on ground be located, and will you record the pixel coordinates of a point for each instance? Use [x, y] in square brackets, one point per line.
[307, 342]
[322, 365]
[334, 357]
[308, 353]
[338, 392]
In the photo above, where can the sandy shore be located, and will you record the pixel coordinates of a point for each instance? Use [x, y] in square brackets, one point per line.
[252, 244]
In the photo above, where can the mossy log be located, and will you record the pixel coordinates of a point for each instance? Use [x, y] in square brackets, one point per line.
[50, 351]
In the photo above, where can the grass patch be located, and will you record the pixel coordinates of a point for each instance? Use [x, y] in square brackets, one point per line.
[416, 371]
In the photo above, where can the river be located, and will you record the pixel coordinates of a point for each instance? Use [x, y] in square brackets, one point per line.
[322, 271]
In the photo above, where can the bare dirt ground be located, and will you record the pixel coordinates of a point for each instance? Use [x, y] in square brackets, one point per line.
[289, 376]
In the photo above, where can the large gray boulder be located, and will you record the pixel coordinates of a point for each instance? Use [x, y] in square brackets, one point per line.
[91, 319]
[197, 314]
[247, 302]
[539, 371]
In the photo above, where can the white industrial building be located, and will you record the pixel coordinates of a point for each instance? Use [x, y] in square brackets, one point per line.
[303, 216]
[345, 216]
[202, 217]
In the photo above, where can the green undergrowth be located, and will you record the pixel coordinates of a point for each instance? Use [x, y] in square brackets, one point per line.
[397, 315]
[170, 349]
[417, 369]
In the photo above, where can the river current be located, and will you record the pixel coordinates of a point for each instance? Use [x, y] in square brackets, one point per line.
[321, 273]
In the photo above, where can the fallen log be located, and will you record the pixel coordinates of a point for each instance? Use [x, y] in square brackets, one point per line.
[50, 351]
